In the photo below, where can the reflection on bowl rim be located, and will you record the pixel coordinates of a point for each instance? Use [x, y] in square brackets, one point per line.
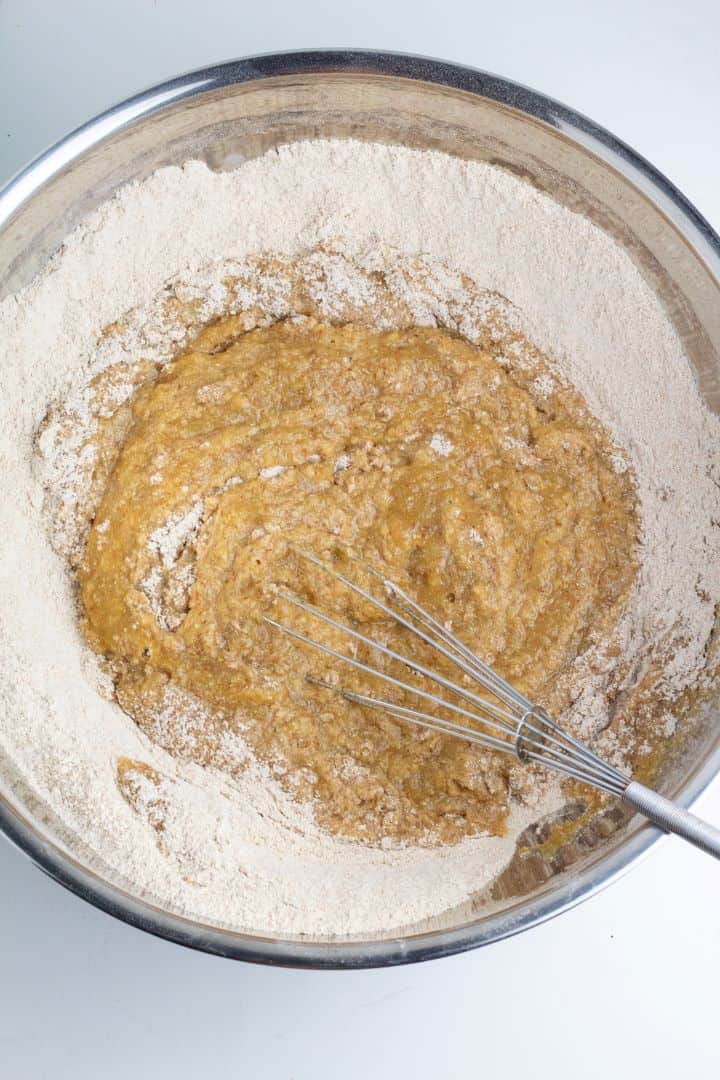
[604, 868]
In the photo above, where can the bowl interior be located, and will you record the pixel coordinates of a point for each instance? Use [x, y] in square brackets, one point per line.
[232, 113]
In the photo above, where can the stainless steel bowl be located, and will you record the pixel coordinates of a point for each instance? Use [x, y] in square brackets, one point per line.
[227, 114]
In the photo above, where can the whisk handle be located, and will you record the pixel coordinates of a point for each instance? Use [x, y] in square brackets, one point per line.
[672, 819]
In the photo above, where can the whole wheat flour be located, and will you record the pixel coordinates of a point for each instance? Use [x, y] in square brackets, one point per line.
[243, 853]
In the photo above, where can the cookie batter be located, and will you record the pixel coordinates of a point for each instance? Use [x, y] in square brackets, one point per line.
[488, 492]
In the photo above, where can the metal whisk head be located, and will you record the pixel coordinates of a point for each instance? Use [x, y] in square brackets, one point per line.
[506, 721]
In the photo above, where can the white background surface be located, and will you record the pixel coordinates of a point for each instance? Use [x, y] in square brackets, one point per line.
[628, 983]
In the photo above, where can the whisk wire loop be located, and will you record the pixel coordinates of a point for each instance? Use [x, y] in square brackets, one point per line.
[510, 724]
[531, 735]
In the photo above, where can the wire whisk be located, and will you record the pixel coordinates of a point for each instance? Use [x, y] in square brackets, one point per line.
[506, 720]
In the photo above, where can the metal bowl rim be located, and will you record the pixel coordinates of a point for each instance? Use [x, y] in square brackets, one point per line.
[697, 231]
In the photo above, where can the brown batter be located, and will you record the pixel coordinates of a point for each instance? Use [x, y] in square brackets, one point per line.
[489, 494]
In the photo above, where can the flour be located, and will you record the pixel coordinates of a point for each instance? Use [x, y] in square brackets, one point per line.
[169, 543]
[441, 445]
[242, 853]
[176, 533]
